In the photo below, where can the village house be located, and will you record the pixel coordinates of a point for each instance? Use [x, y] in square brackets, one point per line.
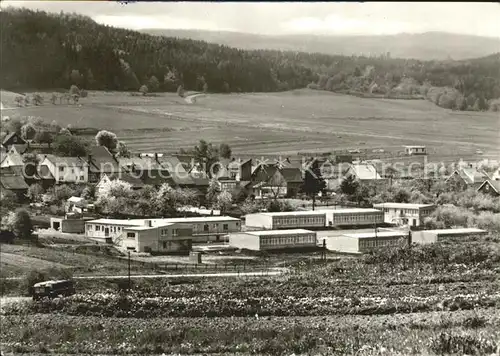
[13, 139]
[363, 172]
[12, 179]
[464, 178]
[183, 177]
[13, 157]
[490, 187]
[100, 161]
[66, 169]
[496, 174]
[405, 213]
[276, 181]
[415, 150]
[135, 183]
[148, 169]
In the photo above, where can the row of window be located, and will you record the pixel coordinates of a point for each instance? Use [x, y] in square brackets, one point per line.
[288, 240]
[299, 220]
[206, 227]
[99, 228]
[61, 169]
[402, 211]
[164, 232]
[356, 217]
[82, 178]
[378, 243]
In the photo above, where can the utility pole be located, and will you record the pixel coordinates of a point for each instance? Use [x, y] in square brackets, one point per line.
[129, 284]
[323, 251]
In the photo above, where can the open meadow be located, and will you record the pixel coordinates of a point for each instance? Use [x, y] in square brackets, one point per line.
[278, 123]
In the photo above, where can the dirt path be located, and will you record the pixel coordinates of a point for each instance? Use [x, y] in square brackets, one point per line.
[191, 99]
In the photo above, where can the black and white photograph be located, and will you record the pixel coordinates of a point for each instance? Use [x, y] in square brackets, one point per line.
[249, 178]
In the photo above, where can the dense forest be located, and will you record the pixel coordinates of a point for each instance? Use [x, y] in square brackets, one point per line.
[49, 51]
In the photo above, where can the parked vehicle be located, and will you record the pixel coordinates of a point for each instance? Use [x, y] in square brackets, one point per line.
[53, 289]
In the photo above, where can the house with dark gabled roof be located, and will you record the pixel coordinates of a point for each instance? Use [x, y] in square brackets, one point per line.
[490, 187]
[12, 179]
[100, 161]
[277, 181]
[464, 178]
[13, 139]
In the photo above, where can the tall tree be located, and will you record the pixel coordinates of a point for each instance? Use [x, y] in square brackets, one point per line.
[107, 139]
[225, 150]
[207, 156]
[70, 146]
[313, 181]
[28, 132]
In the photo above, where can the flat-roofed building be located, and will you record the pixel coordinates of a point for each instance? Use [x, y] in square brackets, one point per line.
[141, 235]
[208, 228]
[273, 239]
[286, 220]
[415, 150]
[431, 236]
[352, 217]
[204, 228]
[364, 242]
[405, 213]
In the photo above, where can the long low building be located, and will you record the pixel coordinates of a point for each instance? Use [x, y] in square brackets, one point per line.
[352, 217]
[204, 229]
[315, 219]
[405, 213]
[431, 236]
[364, 242]
[286, 220]
[273, 239]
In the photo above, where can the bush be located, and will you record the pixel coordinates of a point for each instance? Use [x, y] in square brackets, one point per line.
[463, 344]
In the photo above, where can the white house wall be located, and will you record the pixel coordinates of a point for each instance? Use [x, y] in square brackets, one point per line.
[423, 237]
[259, 220]
[342, 244]
[245, 241]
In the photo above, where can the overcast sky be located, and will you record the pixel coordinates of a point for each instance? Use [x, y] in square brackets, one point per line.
[284, 18]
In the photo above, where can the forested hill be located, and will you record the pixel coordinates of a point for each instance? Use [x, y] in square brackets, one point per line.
[423, 46]
[48, 51]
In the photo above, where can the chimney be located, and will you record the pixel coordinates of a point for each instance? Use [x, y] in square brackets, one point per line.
[89, 159]
[156, 157]
[147, 223]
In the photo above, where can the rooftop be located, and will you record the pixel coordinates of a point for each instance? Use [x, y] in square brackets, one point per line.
[162, 222]
[349, 211]
[279, 232]
[402, 205]
[465, 230]
[370, 235]
[294, 213]
[140, 228]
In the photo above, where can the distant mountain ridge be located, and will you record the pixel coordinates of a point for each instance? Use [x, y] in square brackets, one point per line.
[424, 46]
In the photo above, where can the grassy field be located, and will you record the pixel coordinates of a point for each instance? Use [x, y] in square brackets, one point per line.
[279, 123]
[434, 300]
[17, 260]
